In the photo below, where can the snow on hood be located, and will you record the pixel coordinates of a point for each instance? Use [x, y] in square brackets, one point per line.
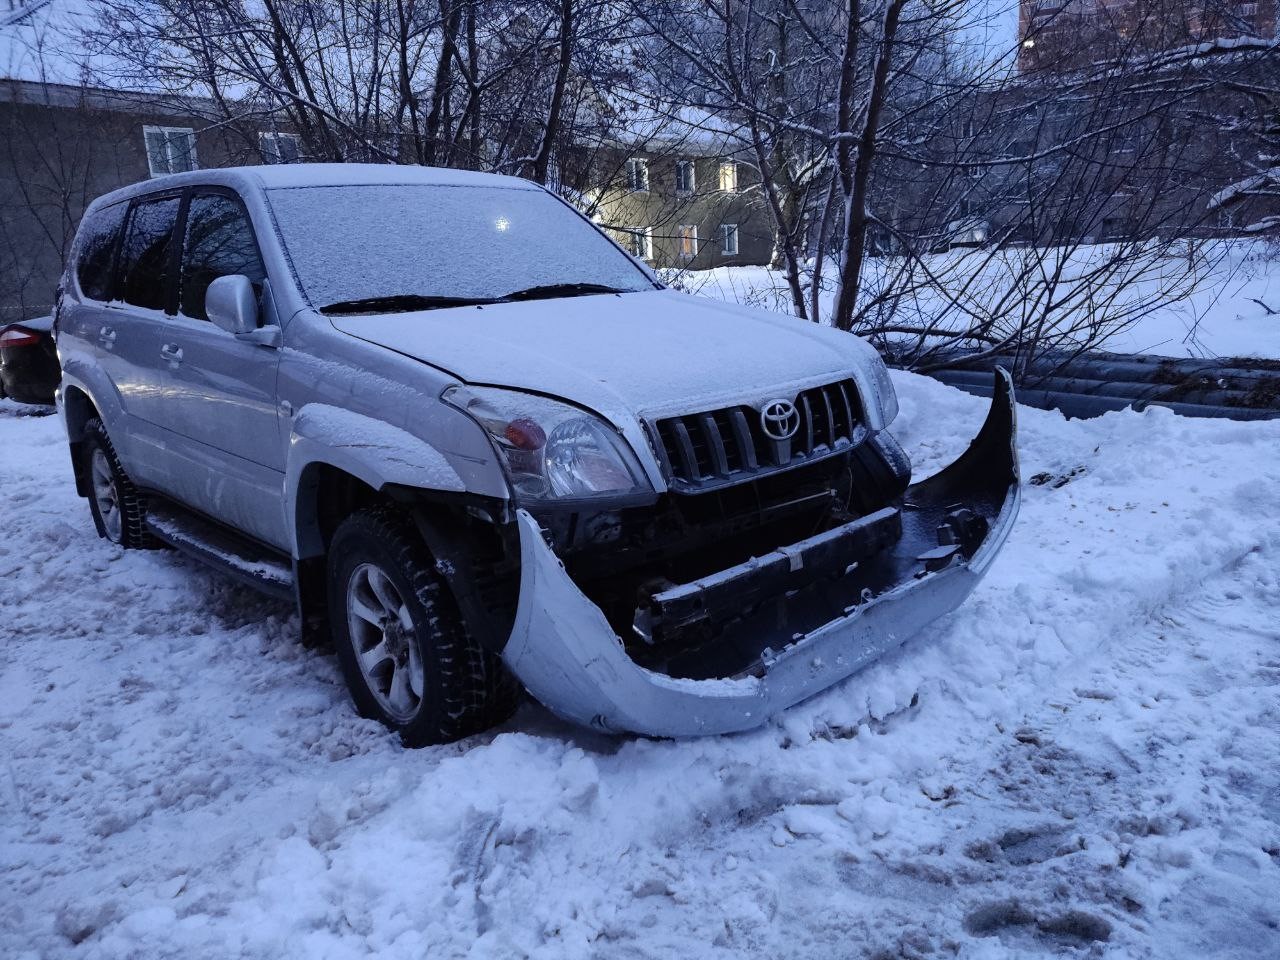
[646, 353]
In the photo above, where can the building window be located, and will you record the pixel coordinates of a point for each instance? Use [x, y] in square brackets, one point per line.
[639, 242]
[170, 149]
[686, 176]
[729, 239]
[729, 176]
[687, 241]
[638, 175]
[280, 147]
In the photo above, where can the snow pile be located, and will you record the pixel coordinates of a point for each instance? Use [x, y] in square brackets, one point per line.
[1084, 757]
[1229, 308]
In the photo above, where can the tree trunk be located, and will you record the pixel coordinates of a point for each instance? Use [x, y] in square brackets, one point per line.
[542, 161]
[855, 217]
[450, 19]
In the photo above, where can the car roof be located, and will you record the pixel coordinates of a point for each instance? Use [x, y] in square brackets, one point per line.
[293, 175]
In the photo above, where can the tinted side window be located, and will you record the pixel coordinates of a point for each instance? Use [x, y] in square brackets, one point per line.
[97, 250]
[144, 259]
[219, 243]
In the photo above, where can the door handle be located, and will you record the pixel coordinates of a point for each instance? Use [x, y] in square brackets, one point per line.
[171, 353]
[107, 336]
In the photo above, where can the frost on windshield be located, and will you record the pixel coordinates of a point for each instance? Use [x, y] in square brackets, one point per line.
[357, 242]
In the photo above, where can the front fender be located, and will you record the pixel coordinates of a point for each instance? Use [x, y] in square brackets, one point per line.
[376, 453]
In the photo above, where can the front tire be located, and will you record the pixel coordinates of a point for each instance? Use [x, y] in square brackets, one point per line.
[408, 658]
[119, 510]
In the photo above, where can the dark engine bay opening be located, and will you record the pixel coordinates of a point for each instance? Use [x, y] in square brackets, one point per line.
[646, 567]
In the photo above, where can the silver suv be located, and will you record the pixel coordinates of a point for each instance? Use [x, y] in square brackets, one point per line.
[482, 448]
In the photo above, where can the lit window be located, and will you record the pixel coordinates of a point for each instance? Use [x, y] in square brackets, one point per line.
[686, 177]
[169, 149]
[687, 241]
[729, 239]
[639, 242]
[638, 175]
[280, 147]
[729, 176]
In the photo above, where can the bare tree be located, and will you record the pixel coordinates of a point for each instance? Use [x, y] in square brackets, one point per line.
[855, 158]
[473, 83]
[1003, 203]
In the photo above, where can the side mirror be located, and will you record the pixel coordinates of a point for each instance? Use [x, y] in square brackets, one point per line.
[231, 304]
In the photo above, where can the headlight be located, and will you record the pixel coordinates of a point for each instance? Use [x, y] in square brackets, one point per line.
[886, 397]
[551, 451]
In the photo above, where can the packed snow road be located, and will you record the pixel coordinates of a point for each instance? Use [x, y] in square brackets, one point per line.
[1084, 760]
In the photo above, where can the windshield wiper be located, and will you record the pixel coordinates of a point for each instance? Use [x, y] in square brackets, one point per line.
[401, 303]
[551, 290]
[405, 302]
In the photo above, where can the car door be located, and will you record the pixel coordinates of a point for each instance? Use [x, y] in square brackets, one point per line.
[225, 402]
[86, 325]
[132, 335]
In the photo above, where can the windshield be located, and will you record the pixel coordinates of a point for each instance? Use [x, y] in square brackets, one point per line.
[418, 246]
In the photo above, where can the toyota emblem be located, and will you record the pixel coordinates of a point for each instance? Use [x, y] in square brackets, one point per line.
[780, 419]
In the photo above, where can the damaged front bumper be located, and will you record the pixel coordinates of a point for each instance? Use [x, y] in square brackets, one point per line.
[952, 525]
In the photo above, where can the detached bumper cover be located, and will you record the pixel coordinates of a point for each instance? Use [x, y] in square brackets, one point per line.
[569, 658]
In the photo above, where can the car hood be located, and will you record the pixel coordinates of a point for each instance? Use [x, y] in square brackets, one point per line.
[647, 353]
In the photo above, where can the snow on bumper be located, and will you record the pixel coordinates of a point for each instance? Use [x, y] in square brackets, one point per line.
[565, 652]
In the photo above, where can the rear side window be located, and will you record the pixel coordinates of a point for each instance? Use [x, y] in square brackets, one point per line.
[97, 251]
[146, 254]
[219, 243]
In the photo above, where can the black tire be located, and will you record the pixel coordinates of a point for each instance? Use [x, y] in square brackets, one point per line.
[464, 689]
[130, 531]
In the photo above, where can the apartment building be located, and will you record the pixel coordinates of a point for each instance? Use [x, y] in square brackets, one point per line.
[1067, 34]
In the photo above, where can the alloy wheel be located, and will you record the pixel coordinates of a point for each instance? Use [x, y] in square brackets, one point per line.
[382, 634]
[107, 496]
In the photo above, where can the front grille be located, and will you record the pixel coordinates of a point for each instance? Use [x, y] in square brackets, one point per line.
[728, 445]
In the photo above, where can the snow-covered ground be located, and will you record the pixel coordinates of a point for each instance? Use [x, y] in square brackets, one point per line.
[1228, 306]
[1082, 761]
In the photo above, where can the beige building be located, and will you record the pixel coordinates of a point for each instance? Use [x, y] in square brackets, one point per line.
[677, 208]
[673, 184]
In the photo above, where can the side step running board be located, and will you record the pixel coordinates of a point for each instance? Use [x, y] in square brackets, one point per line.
[220, 548]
